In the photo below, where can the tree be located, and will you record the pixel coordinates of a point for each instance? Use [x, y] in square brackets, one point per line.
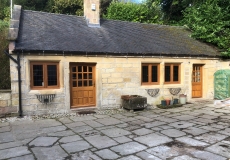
[210, 22]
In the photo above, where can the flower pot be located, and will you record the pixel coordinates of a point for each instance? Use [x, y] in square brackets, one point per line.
[175, 101]
[183, 99]
[163, 102]
[167, 102]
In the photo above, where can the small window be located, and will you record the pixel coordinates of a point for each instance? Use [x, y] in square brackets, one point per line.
[150, 74]
[172, 73]
[44, 75]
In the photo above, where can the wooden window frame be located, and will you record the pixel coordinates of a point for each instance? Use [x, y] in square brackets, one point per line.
[150, 73]
[45, 76]
[171, 73]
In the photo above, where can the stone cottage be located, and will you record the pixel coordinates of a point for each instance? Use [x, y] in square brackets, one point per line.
[70, 62]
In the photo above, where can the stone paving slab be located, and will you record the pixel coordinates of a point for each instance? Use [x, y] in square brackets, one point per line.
[26, 157]
[107, 154]
[220, 149]
[173, 133]
[70, 139]
[122, 139]
[49, 153]
[195, 131]
[181, 124]
[61, 133]
[163, 152]
[10, 145]
[101, 141]
[211, 137]
[184, 157]
[5, 129]
[115, 132]
[109, 121]
[142, 131]
[43, 141]
[153, 124]
[153, 139]
[76, 146]
[85, 155]
[128, 148]
[130, 158]
[146, 156]
[185, 117]
[14, 152]
[207, 155]
[6, 137]
[191, 141]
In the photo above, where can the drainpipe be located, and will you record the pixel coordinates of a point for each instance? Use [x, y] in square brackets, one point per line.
[19, 80]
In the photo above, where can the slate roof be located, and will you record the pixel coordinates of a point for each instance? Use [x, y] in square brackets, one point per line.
[40, 31]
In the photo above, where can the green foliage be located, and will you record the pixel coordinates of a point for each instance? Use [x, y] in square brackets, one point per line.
[74, 7]
[104, 4]
[210, 22]
[4, 10]
[173, 9]
[36, 5]
[133, 12]
[4, 60]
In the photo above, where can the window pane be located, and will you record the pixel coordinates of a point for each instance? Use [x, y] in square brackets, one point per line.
[84, 68]
[74, 76]
[52, 75]
[79, 76]
[79, 69]
[73, 69]
[90, 83]
[38, 75]
[74, 84]
[85, 83]
[90, 69]
[79, 83]
[167, 73]
[175, 73]
[154, 73]
[145, 74]
[90, 76]
[85, 75]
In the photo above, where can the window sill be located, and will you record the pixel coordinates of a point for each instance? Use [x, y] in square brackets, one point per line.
[45, 91]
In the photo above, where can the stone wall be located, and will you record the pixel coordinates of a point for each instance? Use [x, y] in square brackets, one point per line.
[115, 76]
[6, 103]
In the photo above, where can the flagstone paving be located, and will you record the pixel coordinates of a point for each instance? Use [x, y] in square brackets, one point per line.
[192, 132]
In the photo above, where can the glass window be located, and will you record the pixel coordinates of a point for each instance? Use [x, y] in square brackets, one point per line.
[44, 75]
[150, 74]
[172, 73]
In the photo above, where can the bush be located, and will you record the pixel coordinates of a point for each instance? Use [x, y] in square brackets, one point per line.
[133, 12]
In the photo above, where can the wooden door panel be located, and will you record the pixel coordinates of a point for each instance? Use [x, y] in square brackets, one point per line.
[197, 81]
[82, 81]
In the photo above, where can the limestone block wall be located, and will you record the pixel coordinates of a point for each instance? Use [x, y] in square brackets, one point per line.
[115, 76]
[6, 103]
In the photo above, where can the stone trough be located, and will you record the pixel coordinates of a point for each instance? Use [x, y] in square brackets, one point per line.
[133, 102]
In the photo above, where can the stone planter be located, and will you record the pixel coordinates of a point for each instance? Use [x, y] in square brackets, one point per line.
[133, 102]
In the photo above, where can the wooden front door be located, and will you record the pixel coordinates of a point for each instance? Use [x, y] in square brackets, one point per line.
[82, 83]
[197, 81]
